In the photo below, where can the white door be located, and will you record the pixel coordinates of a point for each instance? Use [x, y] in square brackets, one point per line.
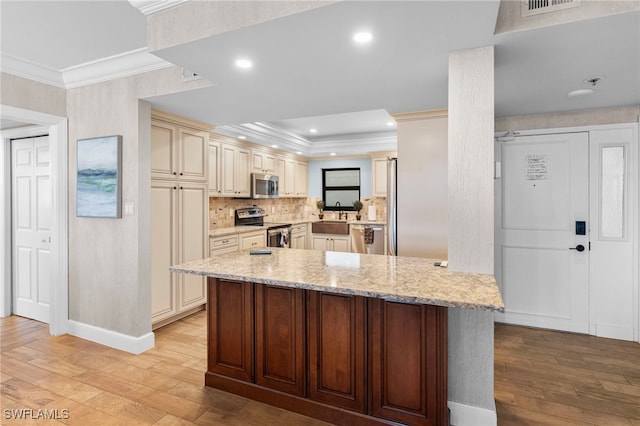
[543, 255]
[31, 228]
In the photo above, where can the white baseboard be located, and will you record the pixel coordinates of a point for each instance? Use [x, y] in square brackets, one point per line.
[614, 332]
[113, 339]
[467, 415]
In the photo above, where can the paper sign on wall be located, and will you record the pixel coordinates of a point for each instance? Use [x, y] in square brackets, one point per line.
[537, 167]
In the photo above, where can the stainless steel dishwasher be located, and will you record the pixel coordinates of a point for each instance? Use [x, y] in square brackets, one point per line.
[367, 239]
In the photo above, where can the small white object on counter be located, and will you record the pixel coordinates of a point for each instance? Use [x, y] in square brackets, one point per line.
[372, 213]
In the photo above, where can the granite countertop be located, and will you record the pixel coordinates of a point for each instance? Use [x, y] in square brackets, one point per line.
[401, 279]
[230, 230]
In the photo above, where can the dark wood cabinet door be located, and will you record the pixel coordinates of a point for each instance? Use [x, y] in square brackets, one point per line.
[230, 316]
[337, 358]
[280, 339]
[408, 362]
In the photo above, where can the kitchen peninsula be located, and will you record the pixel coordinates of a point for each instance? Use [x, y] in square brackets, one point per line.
[346, 338]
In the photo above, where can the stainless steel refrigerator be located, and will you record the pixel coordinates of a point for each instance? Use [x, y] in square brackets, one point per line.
[392, 205]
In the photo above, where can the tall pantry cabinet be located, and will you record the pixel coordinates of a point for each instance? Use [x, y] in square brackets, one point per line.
[179, 214]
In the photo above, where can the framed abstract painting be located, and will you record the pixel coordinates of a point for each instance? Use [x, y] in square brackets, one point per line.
[99, 184]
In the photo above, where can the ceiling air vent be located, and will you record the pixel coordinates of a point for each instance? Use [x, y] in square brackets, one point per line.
[535, 7]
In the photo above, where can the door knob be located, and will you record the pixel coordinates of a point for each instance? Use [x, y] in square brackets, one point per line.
[579, 247]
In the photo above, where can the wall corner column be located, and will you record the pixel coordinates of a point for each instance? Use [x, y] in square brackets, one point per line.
[471, 230]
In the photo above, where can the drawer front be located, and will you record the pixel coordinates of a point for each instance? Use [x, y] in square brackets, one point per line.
[223, 242]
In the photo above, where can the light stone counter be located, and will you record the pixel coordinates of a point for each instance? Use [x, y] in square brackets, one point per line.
[402, 279]
[223, 232]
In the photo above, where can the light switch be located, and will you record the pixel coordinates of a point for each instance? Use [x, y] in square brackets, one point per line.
[128, 208]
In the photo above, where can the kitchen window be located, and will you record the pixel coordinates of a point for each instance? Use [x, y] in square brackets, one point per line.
[340, 188]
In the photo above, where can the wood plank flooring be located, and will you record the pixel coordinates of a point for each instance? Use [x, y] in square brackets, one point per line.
[541, 378]
[545, 377]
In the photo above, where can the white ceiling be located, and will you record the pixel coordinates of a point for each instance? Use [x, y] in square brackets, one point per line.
[306, 65]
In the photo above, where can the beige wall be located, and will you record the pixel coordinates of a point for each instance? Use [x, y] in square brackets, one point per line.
[109, 259]
[422, 184]
[19, 92]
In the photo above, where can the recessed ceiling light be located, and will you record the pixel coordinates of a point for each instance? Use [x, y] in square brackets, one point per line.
[274, 146]
[299, 152]
[362, 37]
[313, 130]
[390, 123]
[244, 63]
[242, 137]
[332, 154]
[580, 92]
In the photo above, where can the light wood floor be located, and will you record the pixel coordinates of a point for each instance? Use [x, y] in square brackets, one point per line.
[542, 378]
[547, 377]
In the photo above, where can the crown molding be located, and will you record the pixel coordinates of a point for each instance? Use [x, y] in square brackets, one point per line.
[32, 71]
[421, 115]
[116, 66]
[147, 7]
[353, 144]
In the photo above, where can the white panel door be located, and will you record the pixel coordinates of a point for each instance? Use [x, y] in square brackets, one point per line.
[544, 279]
[31, 228]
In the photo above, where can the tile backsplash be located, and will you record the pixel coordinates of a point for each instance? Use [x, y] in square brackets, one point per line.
[222, 210]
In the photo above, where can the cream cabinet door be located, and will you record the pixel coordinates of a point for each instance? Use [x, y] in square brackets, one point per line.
[379, 176]
[253, 240]
[193, 217]
[281, 164]
[214, 175]
[228, 170]
[289, 178]
[263, 162]
[163, 249]
[193, 146]
[320, 242]
[340, 244]
[242, 173]
[163, 150]
[301, 178]
[299, 241]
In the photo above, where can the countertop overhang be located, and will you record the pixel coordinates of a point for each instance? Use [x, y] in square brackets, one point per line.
[394, 278]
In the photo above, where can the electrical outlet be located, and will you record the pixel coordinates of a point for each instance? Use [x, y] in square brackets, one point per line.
[273, 209]
[231, 212]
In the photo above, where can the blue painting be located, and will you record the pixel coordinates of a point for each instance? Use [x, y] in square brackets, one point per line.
[99, 177]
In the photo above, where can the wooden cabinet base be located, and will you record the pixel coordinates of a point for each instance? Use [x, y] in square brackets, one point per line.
[307, 407]
[343, 359]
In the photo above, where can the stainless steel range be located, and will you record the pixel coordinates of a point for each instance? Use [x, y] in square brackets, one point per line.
[278, 234]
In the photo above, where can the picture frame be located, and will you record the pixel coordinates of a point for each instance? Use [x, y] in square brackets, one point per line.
[99, 177]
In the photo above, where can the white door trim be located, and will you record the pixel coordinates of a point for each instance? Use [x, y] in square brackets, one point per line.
[56, 127]
[635, 208]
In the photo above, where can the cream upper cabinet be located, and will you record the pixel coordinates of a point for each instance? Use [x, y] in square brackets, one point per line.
[379, 176]
[289, 188]
[235, 171]
[163, 150]
[214, 176]
[263, 162]
[178, 151]
[301, 171]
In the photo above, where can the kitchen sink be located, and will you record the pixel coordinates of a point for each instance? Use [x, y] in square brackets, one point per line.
[330, 227]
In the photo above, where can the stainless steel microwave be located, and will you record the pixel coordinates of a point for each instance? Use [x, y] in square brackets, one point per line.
[264, 186]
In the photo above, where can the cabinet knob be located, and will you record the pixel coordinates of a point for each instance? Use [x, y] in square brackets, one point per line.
[174, 173]
[181, 173]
